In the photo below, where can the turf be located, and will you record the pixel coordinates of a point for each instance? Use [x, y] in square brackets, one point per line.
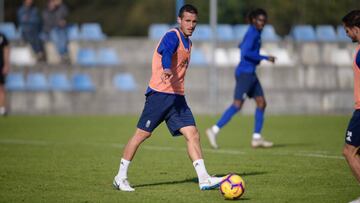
[74, 159]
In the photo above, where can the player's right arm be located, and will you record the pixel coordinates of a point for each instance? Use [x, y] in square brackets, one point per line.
[167, 49]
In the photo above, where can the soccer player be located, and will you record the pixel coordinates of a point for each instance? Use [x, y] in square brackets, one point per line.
[4, 70]
[165, 101]
[351, 23]
[247, 83]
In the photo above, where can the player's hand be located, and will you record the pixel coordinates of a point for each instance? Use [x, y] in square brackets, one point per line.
[272, 59]
[166, 75]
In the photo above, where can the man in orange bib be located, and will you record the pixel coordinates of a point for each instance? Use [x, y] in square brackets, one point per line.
[352, 137]
[165, 101]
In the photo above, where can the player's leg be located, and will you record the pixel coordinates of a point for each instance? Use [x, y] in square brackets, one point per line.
[243, 84]
[258, 94]
[120, 180]
[2, 100]
[351, 155]
[150, 118]
[192, 138]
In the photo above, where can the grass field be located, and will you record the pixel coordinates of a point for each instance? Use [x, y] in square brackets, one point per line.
[74, 159]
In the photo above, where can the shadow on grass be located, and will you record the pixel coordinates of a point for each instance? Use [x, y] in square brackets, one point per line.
[291, 145]
[194, 180]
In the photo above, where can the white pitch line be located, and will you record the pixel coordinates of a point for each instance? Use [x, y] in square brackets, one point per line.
[313, 154]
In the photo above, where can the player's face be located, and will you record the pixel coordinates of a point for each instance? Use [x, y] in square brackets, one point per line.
[260, 22]
[353, 33]
[187, 23]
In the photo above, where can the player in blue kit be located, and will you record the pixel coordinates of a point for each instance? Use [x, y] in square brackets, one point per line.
[165, 101]
[247, 83]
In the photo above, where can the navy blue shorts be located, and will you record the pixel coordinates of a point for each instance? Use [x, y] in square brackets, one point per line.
[170, 108]
[247, 84]
[352, 136]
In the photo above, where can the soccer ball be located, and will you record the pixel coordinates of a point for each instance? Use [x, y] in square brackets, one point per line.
[232, 187]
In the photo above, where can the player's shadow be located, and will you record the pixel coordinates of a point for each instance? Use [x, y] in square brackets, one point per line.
[194, 180]
[290, 145]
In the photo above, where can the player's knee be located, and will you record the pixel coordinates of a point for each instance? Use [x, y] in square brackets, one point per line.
[237, 104]
[194, 137]
[261, 105]
[349, 152]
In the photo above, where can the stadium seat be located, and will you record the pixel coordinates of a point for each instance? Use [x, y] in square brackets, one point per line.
[59, 82]
[22, 56]
[15, 82]
[156, 31]
[82, 82]
[92, 32]
[36, 82]
[303, 33]
[198, 57]
[341, 57]
[73, 32]
[87, 57]
[221, 57]
[240, 31]
[108, 57]
[9, 30]
[124, 82]
[326, 33]
[269, 35]
[341, 34]
[225, 32]
[202, 32]
[234, 56]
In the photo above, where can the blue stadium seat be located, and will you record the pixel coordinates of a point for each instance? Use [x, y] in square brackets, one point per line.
[73, 32]
[225, 32]
[15, 82]
[36, 82]
[303, 33]
[59, 82]
[9, 30]
[202, 32]
[108, 57]
[269, 35]
[82, 82]
[198, 57]
[240, 31]
[124, 82]
[156, 31]
[341, 34]
[326, 33]
[86, 57]
[92, 32]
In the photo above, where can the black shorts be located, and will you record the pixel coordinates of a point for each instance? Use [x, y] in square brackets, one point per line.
[352, 136]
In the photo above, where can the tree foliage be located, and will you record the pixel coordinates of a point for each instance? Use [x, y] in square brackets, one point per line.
[133, 17]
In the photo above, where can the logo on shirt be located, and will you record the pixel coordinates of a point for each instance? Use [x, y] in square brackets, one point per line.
[348, 136]
[148, 122]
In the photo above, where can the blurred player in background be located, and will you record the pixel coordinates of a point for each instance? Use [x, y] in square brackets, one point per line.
[247, 82]
[165, 101]
[351, 23]
[4, 70]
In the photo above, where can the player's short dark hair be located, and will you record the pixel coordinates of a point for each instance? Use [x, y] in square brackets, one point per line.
[187, 8]
[255, 13]
[352, 19]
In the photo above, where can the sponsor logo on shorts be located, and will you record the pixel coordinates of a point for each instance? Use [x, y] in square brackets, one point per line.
[348, 136]
[148, 122]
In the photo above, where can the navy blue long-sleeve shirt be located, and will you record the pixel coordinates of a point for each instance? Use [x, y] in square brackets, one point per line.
[250, 51]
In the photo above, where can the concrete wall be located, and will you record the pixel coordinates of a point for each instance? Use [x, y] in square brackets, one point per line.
[311, 86]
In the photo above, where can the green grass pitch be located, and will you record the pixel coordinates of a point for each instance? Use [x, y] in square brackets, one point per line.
[74, 159]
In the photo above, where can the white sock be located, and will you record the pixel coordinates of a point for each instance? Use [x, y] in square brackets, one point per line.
[256, 136]
[123, 168]
[215, 129]
[201, 170]
[2, 110]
